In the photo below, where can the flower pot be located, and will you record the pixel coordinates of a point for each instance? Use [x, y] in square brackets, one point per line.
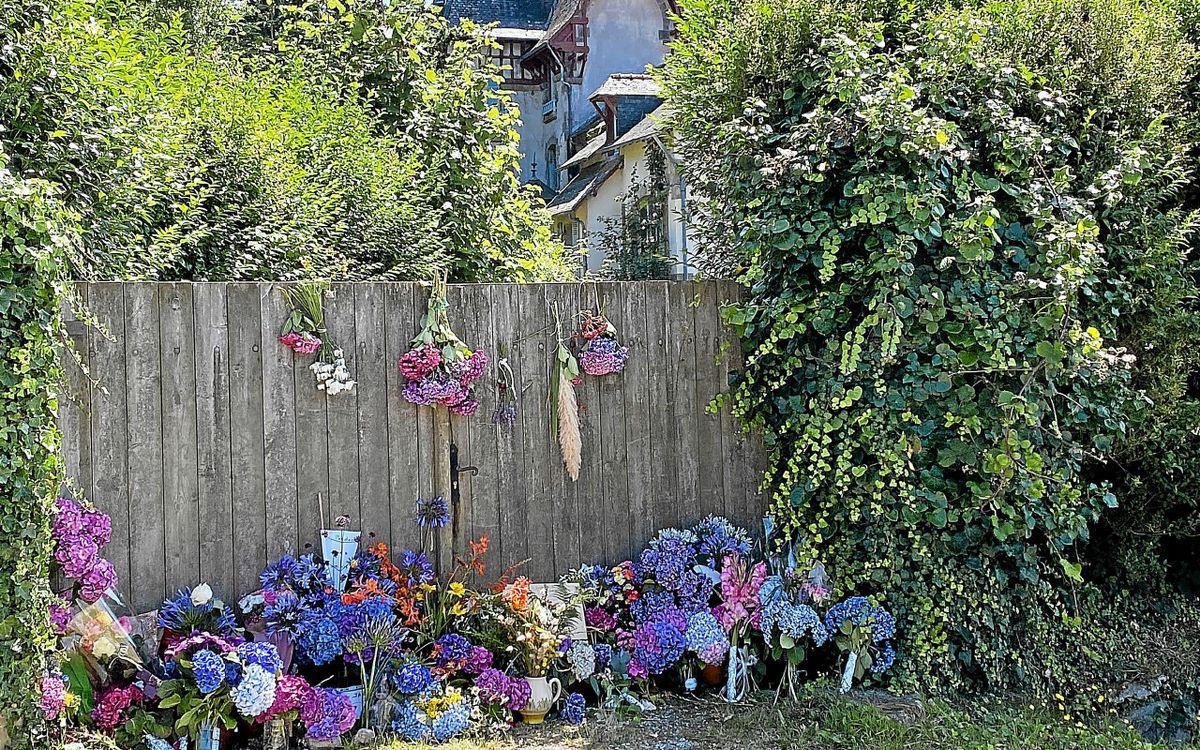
[543, 694]
[339, 546]
[712, 674]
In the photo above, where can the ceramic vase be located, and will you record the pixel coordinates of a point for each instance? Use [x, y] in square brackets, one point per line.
[543, 694]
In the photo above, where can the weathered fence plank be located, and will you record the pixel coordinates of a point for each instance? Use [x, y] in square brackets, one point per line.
[209, 444]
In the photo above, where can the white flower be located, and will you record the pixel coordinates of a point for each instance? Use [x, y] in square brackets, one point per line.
[202, 595]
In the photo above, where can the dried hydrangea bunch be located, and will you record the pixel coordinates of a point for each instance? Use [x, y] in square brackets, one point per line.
[439, 367]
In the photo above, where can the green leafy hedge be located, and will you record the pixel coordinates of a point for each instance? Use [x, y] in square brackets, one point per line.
[222, 141]
[955, 226]
[34, 244]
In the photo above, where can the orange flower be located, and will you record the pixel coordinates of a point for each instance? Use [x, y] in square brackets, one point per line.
[363, 592]
[516, 594]
[480, 547]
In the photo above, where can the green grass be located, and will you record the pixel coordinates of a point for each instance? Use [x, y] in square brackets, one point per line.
[822, 720]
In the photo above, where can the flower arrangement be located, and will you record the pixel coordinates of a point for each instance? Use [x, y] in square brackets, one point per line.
[865, 632]
[433, 660]
[304, 333]
[79, 533]
[601, 353]
[439, 367]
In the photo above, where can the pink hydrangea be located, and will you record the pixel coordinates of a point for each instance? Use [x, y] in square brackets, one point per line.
[100, 578]
[111, 705]
[293, 693]
[61, 614]
[416, 364]
[54, 696]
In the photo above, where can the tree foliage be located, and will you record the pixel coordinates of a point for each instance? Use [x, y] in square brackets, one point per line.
[963, 235]
[225, 141]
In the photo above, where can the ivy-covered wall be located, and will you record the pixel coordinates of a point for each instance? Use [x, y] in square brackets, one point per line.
[957, 226]
[34, 243]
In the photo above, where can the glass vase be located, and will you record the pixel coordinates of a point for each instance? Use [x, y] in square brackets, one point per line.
[277, 734]
[210, 737]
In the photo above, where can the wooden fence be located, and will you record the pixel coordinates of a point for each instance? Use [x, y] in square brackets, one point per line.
[209, 445]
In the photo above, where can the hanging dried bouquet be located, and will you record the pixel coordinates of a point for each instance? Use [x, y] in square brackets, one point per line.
[304, 333]
[440, 368]
[601, 353]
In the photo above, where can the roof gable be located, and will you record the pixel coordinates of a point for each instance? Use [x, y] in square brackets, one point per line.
[515, 14]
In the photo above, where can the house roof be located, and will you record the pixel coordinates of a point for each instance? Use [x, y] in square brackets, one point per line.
[511, 14]
[590, 149]
[583, 185]
[649, 126]
[627, 84]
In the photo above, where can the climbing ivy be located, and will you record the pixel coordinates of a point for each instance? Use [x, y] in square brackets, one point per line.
[923, 207]
[34, 244]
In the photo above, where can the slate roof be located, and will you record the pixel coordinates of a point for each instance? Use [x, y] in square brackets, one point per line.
[627, 84]
[513, 14]
[582, 185]
[651, 125]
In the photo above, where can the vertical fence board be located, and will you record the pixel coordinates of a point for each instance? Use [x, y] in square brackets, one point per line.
[246, 441]
[209, 443]
[371, 376]
[510, 468]
[542, 457]
[638, 435]
[109, 396]
[143, 368]
[404, 483]
[181, 501]
[74, 407]
[214, 483]
[279, 426]
[709, 382]
[681, 373]
[614, 482]
[343, 411]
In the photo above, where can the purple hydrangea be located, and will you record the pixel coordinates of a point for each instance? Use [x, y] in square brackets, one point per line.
[498, 689]
[602, 356]
[469, 370]
[657, 646]
[452, 650]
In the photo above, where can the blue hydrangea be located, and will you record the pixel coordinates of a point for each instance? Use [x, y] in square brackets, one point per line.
[582, 659]
[453, 647]
[263, 654]
[858, 611]
[452, 722]
[884, 659]
[319, 642]
[650, 605]
[604, 654]
[670, 555]
[209, 671]
[408, 723]
[233, 673]
[706, 638]
[658, 646]
[574, 709]
[413, 679]
[256, 692]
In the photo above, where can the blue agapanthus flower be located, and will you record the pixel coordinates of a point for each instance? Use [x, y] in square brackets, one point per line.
[263, 654]
[452, 722]
[574, 709]
[320, 642]
[279, 575]
[285, 615]
[180, 614]
[416, 567]
[717, 537]
[256, 693]
[413, 678]
[209, 670]
[433, 513]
